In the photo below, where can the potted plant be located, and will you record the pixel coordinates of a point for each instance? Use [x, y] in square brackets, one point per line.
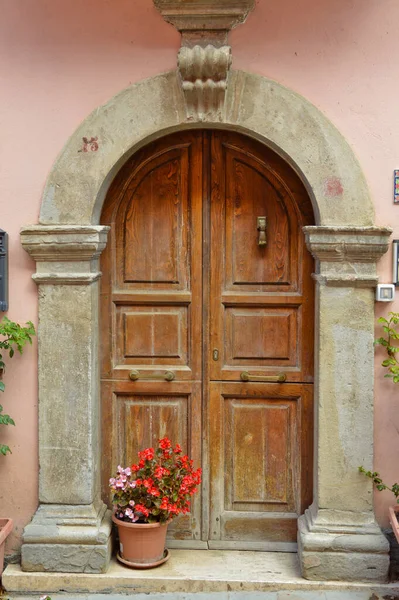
[147, 496]
[13, 337]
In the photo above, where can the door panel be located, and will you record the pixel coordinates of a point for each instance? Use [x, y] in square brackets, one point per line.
[261, 455]
[153, 224]
[261, 335]
[188, 289]
[139, 415]
[152, 334]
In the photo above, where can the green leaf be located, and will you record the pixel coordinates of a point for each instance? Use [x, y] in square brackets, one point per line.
[2, 386]
[6, 420]
[4, 449]
[387, 362]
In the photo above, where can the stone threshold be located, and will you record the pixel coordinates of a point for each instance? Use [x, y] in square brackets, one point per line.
[225, 573]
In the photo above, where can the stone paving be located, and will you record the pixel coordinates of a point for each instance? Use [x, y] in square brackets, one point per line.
[280, 595]
[195, 575]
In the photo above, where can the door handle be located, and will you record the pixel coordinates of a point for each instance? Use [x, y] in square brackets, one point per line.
[167, 376]
[245, 376]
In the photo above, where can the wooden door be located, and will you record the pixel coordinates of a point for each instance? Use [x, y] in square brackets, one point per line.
[261, 329]
[188, 290]
[152, 309]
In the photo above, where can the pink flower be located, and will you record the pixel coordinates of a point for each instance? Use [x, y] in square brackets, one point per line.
[128, 471]
[132, 503]
[130, 515]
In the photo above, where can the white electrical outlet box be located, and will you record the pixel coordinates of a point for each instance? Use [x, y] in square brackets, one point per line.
[385, 292]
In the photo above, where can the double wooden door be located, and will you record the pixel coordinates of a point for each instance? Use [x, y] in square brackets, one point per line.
[207, 304]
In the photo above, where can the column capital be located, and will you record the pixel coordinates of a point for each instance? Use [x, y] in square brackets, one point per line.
[347, 255]
[65, 254]
[64, 243]
[347, 244]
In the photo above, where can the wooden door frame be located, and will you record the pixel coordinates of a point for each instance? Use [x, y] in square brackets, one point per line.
[66, 246]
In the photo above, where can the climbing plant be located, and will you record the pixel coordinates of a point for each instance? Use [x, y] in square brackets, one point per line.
[13, 337]
[390, 341]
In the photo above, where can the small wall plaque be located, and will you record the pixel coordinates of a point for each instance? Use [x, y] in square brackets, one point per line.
[396, 186]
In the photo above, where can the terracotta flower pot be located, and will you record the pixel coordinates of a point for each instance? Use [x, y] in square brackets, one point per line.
[393, 519]
[141, 544]
[5, 530]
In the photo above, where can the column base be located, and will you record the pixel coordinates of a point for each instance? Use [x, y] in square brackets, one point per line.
[68, 539]
[342, 546]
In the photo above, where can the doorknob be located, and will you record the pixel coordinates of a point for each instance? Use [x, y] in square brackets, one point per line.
[261, 226]
[135, 375]
[280, 378]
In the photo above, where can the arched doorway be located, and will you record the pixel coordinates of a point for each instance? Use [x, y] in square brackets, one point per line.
[66, 244]
[206, 276]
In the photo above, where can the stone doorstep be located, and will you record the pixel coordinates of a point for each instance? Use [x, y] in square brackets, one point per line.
[196, 574]
[369, 594]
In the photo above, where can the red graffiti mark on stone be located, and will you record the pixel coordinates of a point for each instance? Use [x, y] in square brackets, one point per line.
[90, 145]
[333, 187]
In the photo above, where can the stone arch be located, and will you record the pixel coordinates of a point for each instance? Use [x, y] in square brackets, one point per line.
[338, 537]
[255, 105]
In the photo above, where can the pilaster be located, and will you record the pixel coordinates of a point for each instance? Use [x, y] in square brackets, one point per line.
[71, 529]
[338, 537]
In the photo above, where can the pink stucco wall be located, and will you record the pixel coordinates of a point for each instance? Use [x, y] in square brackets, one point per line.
[59, 60]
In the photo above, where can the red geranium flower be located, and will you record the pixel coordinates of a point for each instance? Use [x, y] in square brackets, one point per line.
[165, 443]
[158, 488]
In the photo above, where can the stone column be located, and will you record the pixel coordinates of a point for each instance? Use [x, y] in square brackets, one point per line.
[71, 529]
[338, 537]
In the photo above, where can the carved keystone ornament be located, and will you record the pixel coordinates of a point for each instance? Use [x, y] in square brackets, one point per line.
[204, 58]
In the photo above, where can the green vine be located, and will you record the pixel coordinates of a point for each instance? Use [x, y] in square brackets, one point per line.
[389, 342]
[379, 484]
[14, 337]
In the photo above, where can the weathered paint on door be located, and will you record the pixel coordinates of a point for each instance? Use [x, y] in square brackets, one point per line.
[187, 288]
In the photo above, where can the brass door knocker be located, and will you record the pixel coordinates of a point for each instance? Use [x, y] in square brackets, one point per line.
[261, 226]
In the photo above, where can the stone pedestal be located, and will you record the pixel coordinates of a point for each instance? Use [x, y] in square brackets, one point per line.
[71, 529]
[338, 537]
